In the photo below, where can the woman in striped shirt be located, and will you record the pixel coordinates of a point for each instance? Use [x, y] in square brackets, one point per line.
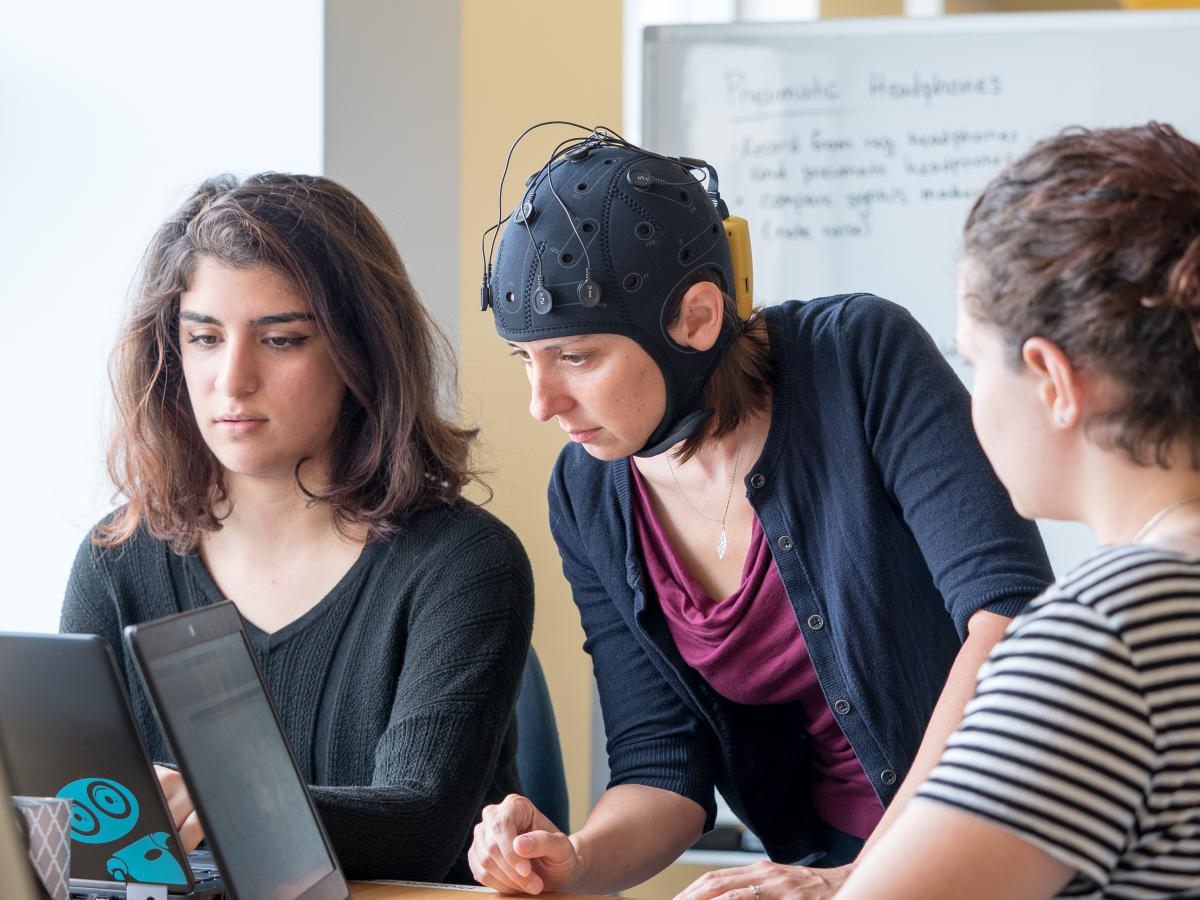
[1076, 770]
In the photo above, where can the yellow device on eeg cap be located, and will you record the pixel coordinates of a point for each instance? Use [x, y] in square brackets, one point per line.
[737, 230]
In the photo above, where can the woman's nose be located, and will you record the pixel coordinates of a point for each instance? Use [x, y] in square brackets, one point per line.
[237, 375]
[547, 396]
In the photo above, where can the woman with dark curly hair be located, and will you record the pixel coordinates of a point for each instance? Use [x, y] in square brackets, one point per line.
[1076, 770]
[279, 444]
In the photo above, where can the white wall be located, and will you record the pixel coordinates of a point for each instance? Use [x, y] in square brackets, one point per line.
[109, 114]
[392, 84]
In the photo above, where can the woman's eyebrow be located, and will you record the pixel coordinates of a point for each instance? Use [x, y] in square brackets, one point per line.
[284, 318]
[548, 347]
[186, 316]
[276, 319]
[571, 343]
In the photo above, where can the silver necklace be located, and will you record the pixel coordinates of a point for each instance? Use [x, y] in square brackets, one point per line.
[1160, 515]
[722, 538]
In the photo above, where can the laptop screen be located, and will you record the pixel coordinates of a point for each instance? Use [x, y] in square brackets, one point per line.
[68, 732]
[232, 752]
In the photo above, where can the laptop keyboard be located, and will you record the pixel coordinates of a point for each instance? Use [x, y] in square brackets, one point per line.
[203, 865]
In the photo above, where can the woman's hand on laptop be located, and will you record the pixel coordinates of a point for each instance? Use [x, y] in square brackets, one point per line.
[187, 823]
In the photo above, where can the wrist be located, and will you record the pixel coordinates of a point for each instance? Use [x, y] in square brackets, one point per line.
[578, 878]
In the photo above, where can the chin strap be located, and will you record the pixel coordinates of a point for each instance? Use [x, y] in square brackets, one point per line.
[683, 429]
[691, 389]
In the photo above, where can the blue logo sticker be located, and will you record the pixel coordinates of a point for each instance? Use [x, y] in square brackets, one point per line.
[147, 859]
[102, 810]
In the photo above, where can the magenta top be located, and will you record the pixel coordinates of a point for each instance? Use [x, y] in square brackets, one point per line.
[749, 648]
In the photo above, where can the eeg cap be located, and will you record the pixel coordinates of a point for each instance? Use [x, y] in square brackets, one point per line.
[601, 242]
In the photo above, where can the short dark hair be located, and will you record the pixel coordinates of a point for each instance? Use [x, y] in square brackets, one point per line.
[393, 451]
[1092, 241]
[740, 384]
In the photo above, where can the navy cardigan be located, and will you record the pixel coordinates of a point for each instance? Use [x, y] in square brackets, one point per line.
[889, 530]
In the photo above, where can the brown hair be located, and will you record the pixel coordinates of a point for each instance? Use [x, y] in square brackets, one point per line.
[393, 451]
[1092, 241]
[740, 385]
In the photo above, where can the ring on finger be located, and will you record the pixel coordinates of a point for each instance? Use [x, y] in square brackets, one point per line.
[755, 890]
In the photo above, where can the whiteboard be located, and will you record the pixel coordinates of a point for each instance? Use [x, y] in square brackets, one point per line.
[855, 148]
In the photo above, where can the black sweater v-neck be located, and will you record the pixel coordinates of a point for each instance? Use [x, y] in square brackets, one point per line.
[396, 690]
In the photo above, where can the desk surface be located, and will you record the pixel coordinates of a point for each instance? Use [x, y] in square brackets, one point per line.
[367, 890]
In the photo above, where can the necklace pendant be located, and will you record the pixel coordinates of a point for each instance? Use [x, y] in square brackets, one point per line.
[722, 543]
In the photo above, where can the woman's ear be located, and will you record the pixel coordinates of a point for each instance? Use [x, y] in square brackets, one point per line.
[1060, 387]
[701, 313]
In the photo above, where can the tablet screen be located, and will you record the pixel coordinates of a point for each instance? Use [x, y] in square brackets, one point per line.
[227, 740]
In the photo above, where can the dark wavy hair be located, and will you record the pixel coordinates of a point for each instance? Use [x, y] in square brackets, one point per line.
[1092, 241]
[393, 451]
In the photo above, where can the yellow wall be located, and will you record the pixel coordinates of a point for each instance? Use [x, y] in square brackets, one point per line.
[833, 9]
[524, 61]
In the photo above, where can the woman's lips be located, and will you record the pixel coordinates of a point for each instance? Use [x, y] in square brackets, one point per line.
[236, 427]
[582, 437]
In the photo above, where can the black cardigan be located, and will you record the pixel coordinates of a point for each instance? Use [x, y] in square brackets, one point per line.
[889, 530]
[396, 690]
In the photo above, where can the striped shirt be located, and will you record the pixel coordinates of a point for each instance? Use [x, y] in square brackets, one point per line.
[1084, 734]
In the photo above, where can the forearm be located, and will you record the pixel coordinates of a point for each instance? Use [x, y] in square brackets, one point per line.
[434, 771]
[390, 833]
[412, 816]
[633, 833]
[442, 755]
[936, 852]
[984, 630]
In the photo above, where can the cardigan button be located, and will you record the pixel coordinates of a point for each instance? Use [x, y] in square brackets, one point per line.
[757, 480]
[785, 542]
[841, 707]
[816, 622]
[887, 776]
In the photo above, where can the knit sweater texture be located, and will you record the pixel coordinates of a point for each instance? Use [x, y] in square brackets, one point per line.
[396, 690]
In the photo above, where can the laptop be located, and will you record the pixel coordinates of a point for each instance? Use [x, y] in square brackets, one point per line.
[214, 709]
[17, 880]
[68, 732]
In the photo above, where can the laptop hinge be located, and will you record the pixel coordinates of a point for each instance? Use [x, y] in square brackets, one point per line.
[146, 892]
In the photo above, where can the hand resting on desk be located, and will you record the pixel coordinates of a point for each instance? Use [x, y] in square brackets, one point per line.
[517, 850]
[773, 880]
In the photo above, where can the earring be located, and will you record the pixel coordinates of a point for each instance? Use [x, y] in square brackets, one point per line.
[1060, 420]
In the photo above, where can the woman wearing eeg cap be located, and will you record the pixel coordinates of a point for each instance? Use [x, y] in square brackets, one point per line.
[787, 549]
